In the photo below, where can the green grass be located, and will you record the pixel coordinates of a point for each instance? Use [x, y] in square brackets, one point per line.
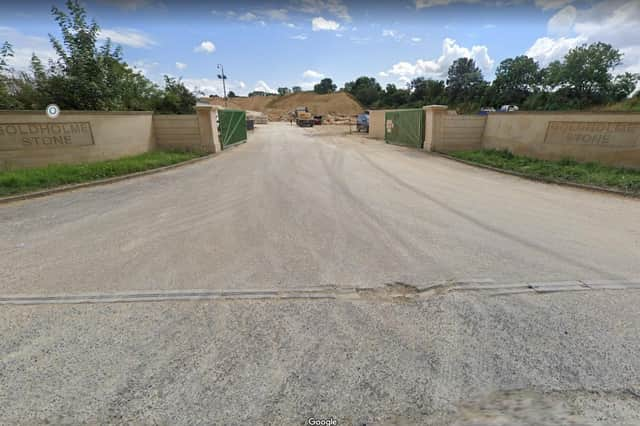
[564, 170]
[27, 180]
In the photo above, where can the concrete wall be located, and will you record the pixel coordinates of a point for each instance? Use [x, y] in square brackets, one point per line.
[608, 138]
[176, 131]
[31, 139]
[462, 132]
[376, 124]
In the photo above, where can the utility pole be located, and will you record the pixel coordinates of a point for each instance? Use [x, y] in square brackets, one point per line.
[223, 77]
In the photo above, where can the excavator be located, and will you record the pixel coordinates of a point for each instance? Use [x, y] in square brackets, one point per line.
[303, 117]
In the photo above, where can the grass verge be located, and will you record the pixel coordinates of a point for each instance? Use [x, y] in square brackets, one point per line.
[627, 180]
[27, 180]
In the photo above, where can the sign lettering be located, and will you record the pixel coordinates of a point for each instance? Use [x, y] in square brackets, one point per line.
[16, 136]
[605, 134]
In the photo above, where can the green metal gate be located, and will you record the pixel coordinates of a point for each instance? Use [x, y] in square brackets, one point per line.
[404, 127]
[233, 127]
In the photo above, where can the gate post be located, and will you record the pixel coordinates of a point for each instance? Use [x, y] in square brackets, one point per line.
[434, 126]
[208, 123]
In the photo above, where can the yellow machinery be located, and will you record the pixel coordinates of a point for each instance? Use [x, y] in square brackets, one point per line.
[303, 117]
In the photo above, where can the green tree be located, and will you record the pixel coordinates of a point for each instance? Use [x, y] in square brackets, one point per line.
[231, 94]
[283, 91]
[325, 86]
[516, 79]
[365, 89]
[6, 52]
[586, 75]
[465, 83]
[175, 98]
[296, 89]
[427, 91]
[393, 97]
[83, 72]
[87, 75]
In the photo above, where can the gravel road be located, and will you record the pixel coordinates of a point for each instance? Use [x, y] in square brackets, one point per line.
[309, 273]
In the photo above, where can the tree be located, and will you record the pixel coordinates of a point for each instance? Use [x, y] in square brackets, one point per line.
[231, 94]
[85, 72]
[427, 91]
[622, 86]
[87, 75]
[586, 75]
[6, 52]
[365, 89]
[464, 82]
[296, 89]
[283, 91]
[175, 98]
[516, 79]
[325, 86]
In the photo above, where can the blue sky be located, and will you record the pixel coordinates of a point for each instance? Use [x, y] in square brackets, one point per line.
[266, 45]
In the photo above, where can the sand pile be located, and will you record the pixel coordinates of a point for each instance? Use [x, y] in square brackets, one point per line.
[334, 106]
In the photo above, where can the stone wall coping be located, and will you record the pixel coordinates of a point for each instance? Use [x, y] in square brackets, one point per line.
[73, 112]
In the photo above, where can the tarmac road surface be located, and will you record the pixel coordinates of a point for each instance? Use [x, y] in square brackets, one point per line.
[309, 273]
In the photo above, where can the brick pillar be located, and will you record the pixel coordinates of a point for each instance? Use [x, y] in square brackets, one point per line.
[434, 126]
[208, 123]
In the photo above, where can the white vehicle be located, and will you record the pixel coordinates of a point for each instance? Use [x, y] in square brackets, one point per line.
[509, 108]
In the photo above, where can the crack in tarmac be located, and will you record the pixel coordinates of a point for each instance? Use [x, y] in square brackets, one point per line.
[396, 291]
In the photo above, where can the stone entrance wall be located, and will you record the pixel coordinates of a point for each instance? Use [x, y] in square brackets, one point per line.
[31, 139]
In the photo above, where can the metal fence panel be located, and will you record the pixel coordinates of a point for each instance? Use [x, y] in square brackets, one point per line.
[404, 127]
[233, 127]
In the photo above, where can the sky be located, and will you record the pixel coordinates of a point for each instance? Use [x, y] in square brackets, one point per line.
[265, 45]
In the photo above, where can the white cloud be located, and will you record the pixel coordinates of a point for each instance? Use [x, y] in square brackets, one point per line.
[552, 4]
[181, 65]
[489, 26]
[321, 24]
[334, 7]
[438, 68]
[416, 39]
[562, 21]
[546, 49]
[262, 86]
[277, 14]
[132, 5]
[614, 22]
[289, 25]
[299, 37]
[24, 46]
[306, 85]
[312, 74]
[249, 16]
[420, 4]
[213, 86]
[394, 34]
[383, 74]
[206, 47]
[127, 36]
[144, 67]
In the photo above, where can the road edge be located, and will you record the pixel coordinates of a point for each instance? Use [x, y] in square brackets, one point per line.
[542, 179]
[72, 187]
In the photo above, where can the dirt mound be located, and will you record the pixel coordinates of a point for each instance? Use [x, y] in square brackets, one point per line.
[334, 105]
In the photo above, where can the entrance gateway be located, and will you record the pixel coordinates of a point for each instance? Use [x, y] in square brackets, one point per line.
[233, 127]
[404, 127]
